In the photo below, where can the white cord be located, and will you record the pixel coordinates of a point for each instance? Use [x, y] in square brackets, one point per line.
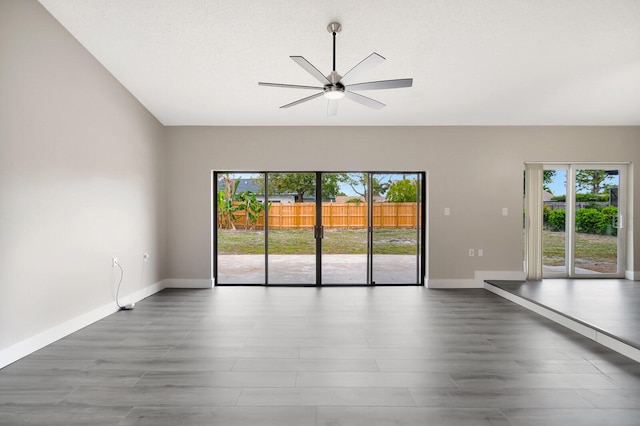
[119, 283]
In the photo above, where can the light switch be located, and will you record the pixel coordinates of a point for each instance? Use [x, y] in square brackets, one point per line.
[447, 211]
[505, 211]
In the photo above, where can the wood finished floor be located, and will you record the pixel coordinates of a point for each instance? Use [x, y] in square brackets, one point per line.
[608, 305]
[331, 356]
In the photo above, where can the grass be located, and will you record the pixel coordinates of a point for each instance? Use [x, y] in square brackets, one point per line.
[594, 252]
[301, 241]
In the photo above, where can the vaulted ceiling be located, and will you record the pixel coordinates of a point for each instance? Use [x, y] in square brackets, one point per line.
[474, 62]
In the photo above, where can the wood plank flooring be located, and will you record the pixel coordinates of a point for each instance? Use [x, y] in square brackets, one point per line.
[610, 306]
[330, 356]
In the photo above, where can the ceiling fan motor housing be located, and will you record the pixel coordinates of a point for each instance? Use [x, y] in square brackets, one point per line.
[334, 27]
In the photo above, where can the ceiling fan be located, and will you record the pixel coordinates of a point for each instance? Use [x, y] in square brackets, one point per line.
[335, 87]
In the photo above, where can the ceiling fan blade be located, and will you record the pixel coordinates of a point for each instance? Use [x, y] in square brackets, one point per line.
[332, 107]
[311, 69]
[383, 84]
[289, 86]
[363, 67]
[299, 101]
[371, 103]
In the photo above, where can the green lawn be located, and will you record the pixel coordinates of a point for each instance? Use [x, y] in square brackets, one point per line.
[301, 241]
[593, 252]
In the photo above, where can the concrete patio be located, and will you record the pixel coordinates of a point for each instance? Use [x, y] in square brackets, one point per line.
[300, 269]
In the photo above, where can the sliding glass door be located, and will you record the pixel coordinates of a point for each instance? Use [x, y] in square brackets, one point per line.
[239, 241]
[596, 219]
[318, 228]
[554, 241]
[396, 228]
[583, 217]
[290, 234]
[345, 228]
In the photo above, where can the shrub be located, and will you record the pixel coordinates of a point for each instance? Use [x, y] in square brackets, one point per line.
[593, 205]
[584, 198]
[592, 197]
[545, 214]
[609, 214]
[590, 221]
[556, 220]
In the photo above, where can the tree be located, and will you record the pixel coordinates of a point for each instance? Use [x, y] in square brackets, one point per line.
[359, 184]
[594, 181]
[402, 191]
[226, 208]
[331, 185]
[547, 179]
[304, 184]
[297, 183]
[252, 208]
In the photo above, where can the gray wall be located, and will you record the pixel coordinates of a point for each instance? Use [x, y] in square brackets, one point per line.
[475, 171]
[81, 179]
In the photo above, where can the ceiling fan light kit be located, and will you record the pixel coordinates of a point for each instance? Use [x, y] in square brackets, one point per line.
[335, 87]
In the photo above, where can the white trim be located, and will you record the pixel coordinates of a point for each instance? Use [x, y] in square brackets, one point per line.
[541, 310]
[142, 294]
[632, 275]
[478, 280]
[618, 346]
[20, 350]
[187, 283]
[447, 283]
[482, 276]
[578, 327]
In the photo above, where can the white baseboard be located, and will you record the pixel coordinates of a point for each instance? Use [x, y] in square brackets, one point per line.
[478, 280]
[448, 283]
[632, 275]
[187, 283]
[578, 327]
[482, 276]
[20, 350]
[143, 294]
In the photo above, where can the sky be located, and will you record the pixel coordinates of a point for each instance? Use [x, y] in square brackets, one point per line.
[558, 186]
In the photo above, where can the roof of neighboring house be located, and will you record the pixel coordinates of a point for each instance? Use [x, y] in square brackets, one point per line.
[249, 184]
[243, 185]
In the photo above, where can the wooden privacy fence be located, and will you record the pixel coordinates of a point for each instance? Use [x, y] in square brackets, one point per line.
[336, 216]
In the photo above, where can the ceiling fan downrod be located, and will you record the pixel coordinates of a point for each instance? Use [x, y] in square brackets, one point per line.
[334, 28]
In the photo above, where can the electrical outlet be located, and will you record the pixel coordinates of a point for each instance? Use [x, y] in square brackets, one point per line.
[480, 252]
[471, 253]
[114, 262]
[145, 257]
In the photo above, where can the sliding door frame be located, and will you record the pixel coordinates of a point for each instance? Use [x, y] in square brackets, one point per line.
[570, 218]
[622, 210]
[421, 219]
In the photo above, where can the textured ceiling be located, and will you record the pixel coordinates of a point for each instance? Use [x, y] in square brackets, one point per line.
[474, 62]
